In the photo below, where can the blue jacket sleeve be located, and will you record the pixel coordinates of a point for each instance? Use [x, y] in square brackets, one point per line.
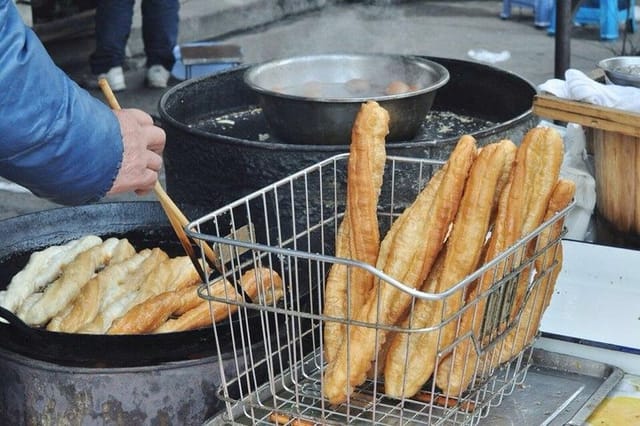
[55, 138]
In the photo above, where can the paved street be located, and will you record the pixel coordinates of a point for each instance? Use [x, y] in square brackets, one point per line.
[263, 31]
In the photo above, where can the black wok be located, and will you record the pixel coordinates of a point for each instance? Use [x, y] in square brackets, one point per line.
[145, 225]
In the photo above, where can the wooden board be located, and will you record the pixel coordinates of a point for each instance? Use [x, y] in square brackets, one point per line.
[588, 115]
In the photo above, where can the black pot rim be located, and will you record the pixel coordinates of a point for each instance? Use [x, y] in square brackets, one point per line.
[276, 146]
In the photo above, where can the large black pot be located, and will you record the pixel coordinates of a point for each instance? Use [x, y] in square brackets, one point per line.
[60, 378]
[216, 149]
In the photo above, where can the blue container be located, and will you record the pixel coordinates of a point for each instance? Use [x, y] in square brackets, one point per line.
[541, 9]
[204, 58]
[608, 14]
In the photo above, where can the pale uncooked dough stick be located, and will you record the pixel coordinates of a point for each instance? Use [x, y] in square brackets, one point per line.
[43, 268]
[129, 291]
[74, 275]
[93, 296]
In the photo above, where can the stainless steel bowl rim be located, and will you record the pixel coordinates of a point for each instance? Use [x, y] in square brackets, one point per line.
[609, 66]
[442, 72]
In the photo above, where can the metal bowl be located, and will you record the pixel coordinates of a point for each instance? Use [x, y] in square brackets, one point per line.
[314, 99]
[622, 70]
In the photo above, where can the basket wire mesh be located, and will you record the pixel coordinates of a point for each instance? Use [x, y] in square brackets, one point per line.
[276, 373]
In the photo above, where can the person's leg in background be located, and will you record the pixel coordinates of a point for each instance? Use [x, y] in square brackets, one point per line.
[160, 22]
[113, 25]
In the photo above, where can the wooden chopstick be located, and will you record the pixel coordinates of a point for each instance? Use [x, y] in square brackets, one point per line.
[177, 219]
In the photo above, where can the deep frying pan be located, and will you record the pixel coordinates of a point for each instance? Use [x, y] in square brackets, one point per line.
[145, 225]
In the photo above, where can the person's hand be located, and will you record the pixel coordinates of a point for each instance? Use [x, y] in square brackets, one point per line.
[142, 158]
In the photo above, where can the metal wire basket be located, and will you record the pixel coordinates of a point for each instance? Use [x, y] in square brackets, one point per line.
[277, 373]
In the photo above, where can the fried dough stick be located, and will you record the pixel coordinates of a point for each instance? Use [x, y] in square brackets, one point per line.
[412, 357]
[358, 236]
[262, 285]
[173, 274]
[541, 155]
[456, 371]
[548, 268]
[414, 249]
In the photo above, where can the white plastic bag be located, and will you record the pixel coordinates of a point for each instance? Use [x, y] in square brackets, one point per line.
[576, 167]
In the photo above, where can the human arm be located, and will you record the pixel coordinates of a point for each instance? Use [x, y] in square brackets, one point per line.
[58, 140]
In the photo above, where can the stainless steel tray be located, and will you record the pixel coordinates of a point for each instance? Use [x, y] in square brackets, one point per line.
[557, 390]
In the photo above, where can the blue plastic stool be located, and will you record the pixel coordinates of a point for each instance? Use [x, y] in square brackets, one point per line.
[608, 14]
[541, 9]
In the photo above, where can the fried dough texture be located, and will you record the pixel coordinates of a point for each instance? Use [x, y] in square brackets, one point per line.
[156, 300]
[547, 268]
[262, 285]
[358, 236]
[203, 313]
[415, 247]
[521, 210]
[412, 357]
[538, 163]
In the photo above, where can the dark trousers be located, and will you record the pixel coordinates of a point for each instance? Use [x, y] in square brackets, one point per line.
[113, 26]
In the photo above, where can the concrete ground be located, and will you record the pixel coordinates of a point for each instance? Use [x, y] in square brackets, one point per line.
[272, 29]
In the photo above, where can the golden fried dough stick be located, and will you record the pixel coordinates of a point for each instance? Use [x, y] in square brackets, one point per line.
[156, 299]
[358, 235]
[335, 298]
[364, 179]
[43, 268]
[189, 299]
[457, 371]
[403, 347]
[462, 355]
[385, 250]
[530, 187]
[516, 339]
[536, 173]
[527, 328]
[127, 292]
[146, 316]
[414, 250]
[74, 276]
[412, 357]
[93, 296]
[261, 285]
[201, 315]
[172, 274]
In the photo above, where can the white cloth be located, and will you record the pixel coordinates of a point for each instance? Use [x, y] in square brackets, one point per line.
[578, 87]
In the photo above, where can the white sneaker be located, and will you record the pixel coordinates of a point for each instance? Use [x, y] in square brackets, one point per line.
[157, 76]
[115, 77]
